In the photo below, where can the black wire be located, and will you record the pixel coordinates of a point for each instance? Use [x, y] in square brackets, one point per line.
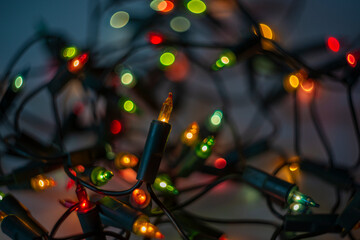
[23, 103]
[351, 236]
[200, 194]
[268, 200]
[355, 122]
[249, 16]
[296, 125]
[58, 123]
[311, 234]
[31, 156]
[167, 212]
[62, 219]
[67, 167]
[237, 221]
[90, 234]
[318, 126]
[277, 232]
[26, 45]
[337, 201]
[272, 209]
[222, 92]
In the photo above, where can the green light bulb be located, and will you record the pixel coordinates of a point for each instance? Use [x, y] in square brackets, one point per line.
[303, 199]
[297, 208]
[100, 176]
[109, 152]
[214, 121]
[164, 184]
[203, 150]
[167, 59]
[227, 58]
[127, 105]
[18, 83]
[70, 52]
[196, 6]
[127, 78]
[2, 195]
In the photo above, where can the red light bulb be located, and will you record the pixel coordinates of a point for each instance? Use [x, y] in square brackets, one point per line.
[333, 44]
[115, 127]
[84, 203]
[223, 237]
[155, 38]
[350, 58]
[220, 163]
[165, 6]
[139, 198]
[77, 63]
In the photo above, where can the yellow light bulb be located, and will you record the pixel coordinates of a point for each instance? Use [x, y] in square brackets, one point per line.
[166, 109]
[190, 135]
[143, 227]
[125, 160]
[293, 167]
[41, 182]
[76, 63]
[266, 31]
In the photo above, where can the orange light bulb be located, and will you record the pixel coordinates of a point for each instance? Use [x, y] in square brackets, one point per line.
[191, 134]
[139, 198]
[125, 160]
[41, 182]
[77, 63]
[166, 109]
[143, 227]
[350, 58]
[293, 167]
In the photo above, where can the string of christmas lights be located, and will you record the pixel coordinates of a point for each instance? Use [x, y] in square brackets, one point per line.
[131, 85]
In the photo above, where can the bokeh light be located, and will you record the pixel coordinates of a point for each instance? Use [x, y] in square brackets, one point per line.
[350, 58]
[220, 163]
[266, 31]
[115, 127]
[119, 19]
[180, 24]
[307, 85]
[69, 52]
[333, 44]
[196, 6]
[129, 106]
[167, 58]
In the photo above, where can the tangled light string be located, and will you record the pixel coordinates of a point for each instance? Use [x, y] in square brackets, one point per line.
[131, 93]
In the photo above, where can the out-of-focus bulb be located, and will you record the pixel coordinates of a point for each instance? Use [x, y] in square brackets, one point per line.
[215, 121]
[227, 58]
[125, 160]
[70, 52]
[143, 227]
[204, 149]
[139, 198]
[77, 63]
[191, 134]
[100, 176]
[42, 182]
[18, 83]
[164, 184]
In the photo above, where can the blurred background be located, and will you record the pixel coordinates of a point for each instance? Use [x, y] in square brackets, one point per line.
[295, 25]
